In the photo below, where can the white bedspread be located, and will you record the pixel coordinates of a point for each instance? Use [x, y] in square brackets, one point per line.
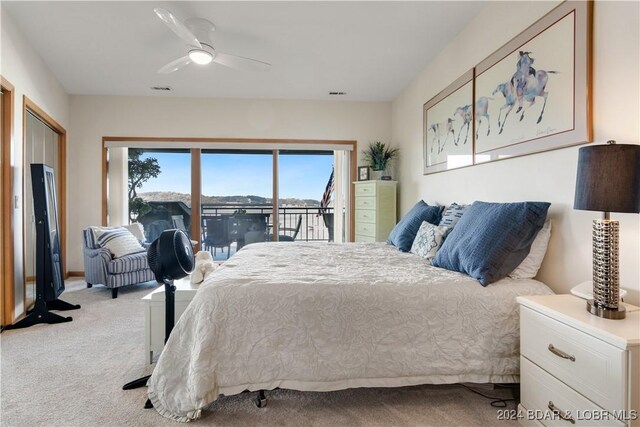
[326, 317]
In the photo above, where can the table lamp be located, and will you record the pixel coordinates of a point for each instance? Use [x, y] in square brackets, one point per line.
[608, 180]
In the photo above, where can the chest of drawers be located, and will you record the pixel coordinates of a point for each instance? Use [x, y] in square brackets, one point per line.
[375, 210]
[576, 368]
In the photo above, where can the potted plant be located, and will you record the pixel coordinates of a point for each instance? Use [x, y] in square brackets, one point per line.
[378, 155]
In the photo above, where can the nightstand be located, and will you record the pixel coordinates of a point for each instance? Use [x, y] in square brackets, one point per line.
[154, 327]
[576, 368]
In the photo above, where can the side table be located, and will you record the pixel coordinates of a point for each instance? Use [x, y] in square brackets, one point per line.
[154, 315]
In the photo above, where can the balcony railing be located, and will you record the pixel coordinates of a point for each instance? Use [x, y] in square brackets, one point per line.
[316, 224]
[226, 228]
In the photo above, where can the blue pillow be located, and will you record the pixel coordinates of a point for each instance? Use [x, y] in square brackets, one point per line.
[491, 239]
[404, 233]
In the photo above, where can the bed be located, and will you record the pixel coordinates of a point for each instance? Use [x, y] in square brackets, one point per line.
[322, 317]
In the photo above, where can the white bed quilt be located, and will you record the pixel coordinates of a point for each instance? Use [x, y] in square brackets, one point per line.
[321, 317]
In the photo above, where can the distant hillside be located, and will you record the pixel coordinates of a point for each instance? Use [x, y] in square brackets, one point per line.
[167, 196]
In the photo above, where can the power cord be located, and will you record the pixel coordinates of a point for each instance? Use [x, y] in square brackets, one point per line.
[496, 402]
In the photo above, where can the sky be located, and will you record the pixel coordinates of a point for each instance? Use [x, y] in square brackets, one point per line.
[301, 176]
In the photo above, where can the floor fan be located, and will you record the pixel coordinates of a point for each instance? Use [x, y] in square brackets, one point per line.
[170, 258]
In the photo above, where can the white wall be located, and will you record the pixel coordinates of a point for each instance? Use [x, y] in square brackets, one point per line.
[93, 117]
[24, 68]
[547, 176]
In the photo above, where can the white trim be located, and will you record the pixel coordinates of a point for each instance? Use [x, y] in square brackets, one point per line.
[230, 145]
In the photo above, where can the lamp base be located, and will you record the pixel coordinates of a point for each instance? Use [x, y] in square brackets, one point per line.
[606, 313]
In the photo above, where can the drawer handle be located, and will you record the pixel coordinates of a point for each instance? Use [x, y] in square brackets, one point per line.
[561, 353]
[560, 413]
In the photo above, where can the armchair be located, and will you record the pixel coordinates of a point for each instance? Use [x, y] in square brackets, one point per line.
[101, 268]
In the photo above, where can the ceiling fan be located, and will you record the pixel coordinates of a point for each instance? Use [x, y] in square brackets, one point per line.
[195, 33]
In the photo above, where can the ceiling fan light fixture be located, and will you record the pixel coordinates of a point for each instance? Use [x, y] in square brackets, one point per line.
[200, 56]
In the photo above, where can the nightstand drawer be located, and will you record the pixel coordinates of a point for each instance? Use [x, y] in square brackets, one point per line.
[579, 360]
[366, 189]
[366, 229]
[365, 215]
[365, 202]
[366, 239]
[540, 391]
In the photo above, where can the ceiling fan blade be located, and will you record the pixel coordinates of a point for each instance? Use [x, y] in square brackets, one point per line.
[175, 65]
[177, 27]
[240, 62]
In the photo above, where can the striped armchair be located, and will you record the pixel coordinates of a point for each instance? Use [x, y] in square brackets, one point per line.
[101, 268]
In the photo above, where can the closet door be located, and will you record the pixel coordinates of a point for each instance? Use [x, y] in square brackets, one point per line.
[3, 280]
[41, 146]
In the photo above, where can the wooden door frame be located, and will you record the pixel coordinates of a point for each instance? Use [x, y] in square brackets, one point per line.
[195, 179]
[6, 239]
[29, 106]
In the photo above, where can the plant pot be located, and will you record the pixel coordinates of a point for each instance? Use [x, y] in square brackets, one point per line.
[376, 174]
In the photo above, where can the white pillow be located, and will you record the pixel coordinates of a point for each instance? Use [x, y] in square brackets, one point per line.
[428, 240]
[531, 264]
[119, 241]
[137, 230]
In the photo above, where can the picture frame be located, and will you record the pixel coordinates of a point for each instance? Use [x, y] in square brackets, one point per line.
[533, 94]
[447, 133]
[539, 84]
[364, 173]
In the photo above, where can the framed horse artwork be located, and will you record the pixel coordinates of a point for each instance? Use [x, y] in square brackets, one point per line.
[533, 94]
[447, 133]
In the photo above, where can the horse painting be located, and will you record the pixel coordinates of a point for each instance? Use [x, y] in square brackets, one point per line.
[466, 114]
[482, 110]
[530, 83]
[508, 91]
[440, 130]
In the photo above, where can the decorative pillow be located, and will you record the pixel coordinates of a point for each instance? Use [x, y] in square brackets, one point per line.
[492, 239]
[404, 233]
[531, 264]
[119, 241]
[452, 215]
[137, 230]
[428, 240]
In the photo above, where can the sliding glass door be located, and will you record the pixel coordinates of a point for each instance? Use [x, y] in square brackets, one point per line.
[236, 201]
[227, 195]
[162, 200]
[305, 189]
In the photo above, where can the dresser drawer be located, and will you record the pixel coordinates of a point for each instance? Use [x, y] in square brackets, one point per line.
[367, 239]
[366, 188]
[365, 202]
[539, 391]
[579, 360]
[365, 215]
[365, 229]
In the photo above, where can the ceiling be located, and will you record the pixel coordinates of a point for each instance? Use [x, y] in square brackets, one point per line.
[371, 50]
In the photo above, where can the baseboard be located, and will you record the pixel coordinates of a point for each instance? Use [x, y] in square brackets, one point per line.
[75, 273]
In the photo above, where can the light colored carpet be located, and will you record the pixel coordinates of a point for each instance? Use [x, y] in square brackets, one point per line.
[72, 374]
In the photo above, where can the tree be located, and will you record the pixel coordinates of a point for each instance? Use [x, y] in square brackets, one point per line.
[140, 171]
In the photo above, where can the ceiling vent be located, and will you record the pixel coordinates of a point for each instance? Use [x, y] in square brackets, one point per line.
[161, 88]
[337, 93]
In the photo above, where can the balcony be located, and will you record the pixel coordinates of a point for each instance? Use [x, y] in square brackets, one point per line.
[226, 228]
